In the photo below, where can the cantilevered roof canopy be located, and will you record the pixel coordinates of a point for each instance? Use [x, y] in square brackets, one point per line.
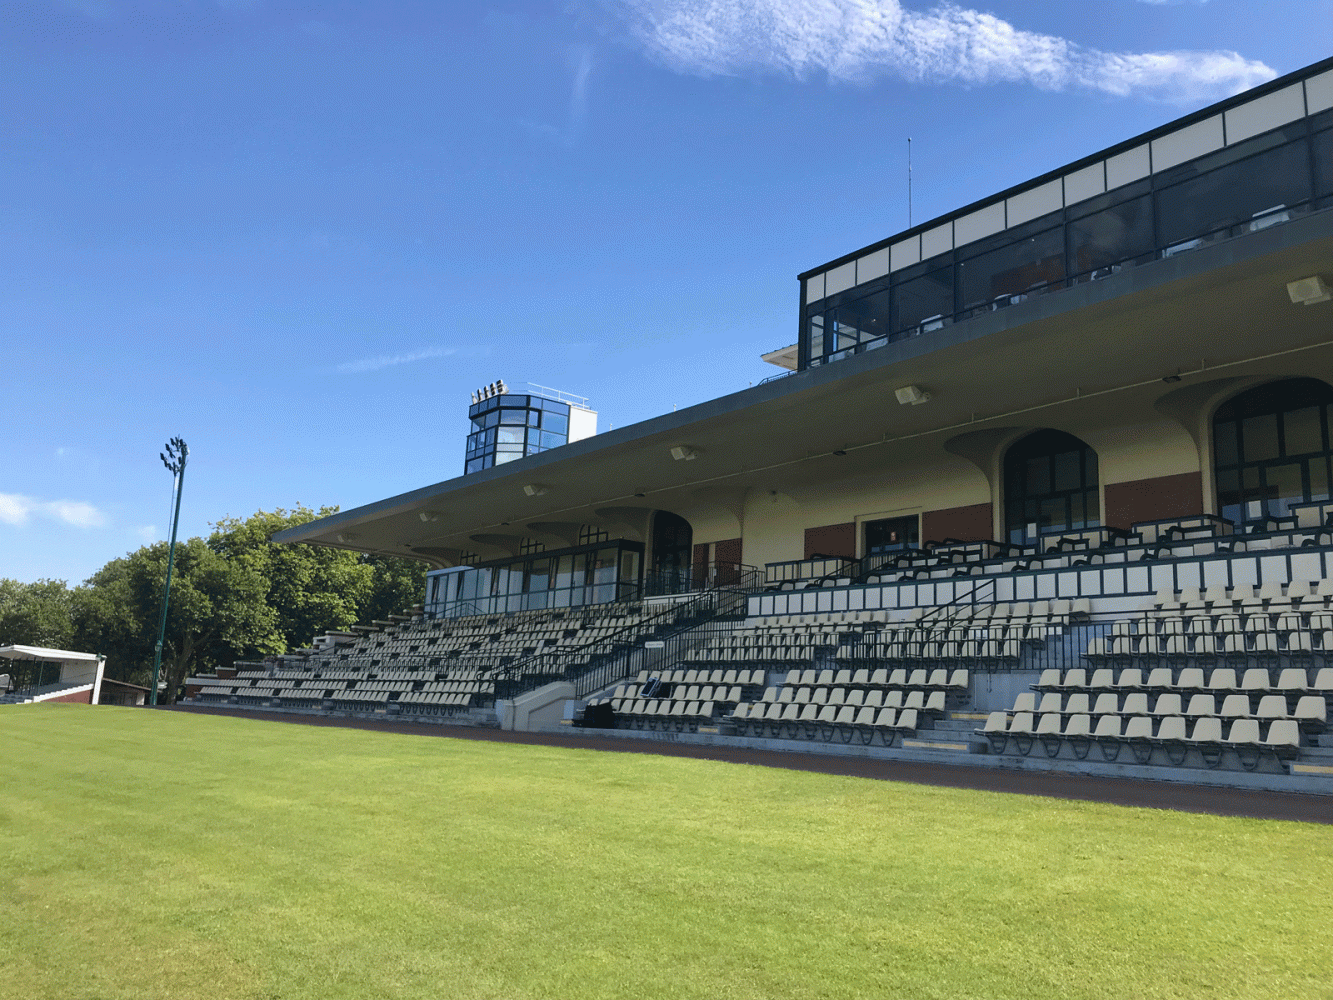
[48, 655]
[1219, 311]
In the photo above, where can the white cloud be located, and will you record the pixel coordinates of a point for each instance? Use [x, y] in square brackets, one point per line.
[386, 361]
[859, 40]
[147, 533]
[15, 509]
[18, 510]
[77, 513]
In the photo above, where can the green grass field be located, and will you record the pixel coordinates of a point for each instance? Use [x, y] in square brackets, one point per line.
[150, 854]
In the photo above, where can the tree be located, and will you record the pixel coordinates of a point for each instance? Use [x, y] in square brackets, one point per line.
[217, 611]
[36, 614]
[397, 584]
[310, 588]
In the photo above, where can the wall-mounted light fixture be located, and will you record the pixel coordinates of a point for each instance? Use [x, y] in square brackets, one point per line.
[1308, 291]
[911, 395]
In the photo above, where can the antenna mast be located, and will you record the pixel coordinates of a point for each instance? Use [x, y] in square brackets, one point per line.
[909, 182]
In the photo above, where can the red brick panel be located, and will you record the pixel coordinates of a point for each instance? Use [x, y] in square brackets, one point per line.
[1154, 499]
[728, 551]
[967, 524]
[78, 698]
[831, 540]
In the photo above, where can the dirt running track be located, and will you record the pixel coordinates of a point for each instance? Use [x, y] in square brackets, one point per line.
[1117, 791]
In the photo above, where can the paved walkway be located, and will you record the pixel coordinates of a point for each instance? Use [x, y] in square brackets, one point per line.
[1055, 784]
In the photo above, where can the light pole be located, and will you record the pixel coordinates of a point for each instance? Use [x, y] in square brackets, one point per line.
[174, 459]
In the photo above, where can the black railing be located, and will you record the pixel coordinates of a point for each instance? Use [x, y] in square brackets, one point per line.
[703, 576]
[628, 651]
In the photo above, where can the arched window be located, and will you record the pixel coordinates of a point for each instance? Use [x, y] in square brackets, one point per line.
[1271, 449]
[1050, 484]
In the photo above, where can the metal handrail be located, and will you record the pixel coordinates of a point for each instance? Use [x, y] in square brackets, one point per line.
[519, 676]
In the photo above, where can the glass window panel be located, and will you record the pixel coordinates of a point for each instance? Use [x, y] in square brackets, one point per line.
[1228, 488]
[557, 423]
[816, 334]
[629, 566]
[510, 435]
[1231, 196]
[1259, 437]
[1068, 471]
[1038, 474]
[513, 416]
[924, 299]
[1319, 478]
[863, 319]
[1120, 233]
[1323, 161]
[478, 424]
[1053, 513]
[503, 458]
[1092, 506]
[492, 418]
[534, 417]
[1303, 431]
[1224, 443]
[1008, 274]
[1284, 486]
[539, 576]
[475, 465]
[564, 572]
[551, 439]
[1076, 510]
[604, 566]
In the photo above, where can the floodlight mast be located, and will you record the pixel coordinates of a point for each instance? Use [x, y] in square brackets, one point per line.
[174, 459]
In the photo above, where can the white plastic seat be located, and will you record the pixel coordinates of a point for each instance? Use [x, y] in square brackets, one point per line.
[1025, 702]
[1159, 678]
[1171, 728]
[1076, 677]
[1135, 703]
[1167, 704]
[1236, 706]
[1077, 703]
[1255, 679]
[1107, 704]
[1202, 705]
[1272, 706]
[1284, 738]
[1191, 679]
[1311, 708]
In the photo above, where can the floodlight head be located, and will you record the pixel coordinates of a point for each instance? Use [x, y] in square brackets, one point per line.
[684, 453]
[533, 490]
[427, 516]
[1308, 291]
[911, 395]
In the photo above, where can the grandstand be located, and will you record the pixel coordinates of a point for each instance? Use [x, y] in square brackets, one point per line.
[1044, 482]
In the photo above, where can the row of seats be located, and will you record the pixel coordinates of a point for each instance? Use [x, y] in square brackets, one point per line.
[1258, 679]
[1160, 624]
[794, 721]
[1209, 647]
[1312, 709]
[664, 713]
[932, 702]
[1246, 597]
[1281, 737]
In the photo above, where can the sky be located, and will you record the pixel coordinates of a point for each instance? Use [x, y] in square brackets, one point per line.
[298, 235]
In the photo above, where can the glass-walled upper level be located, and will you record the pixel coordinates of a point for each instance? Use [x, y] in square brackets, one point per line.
[508, 427]
[1247, 164]
[589, 574]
